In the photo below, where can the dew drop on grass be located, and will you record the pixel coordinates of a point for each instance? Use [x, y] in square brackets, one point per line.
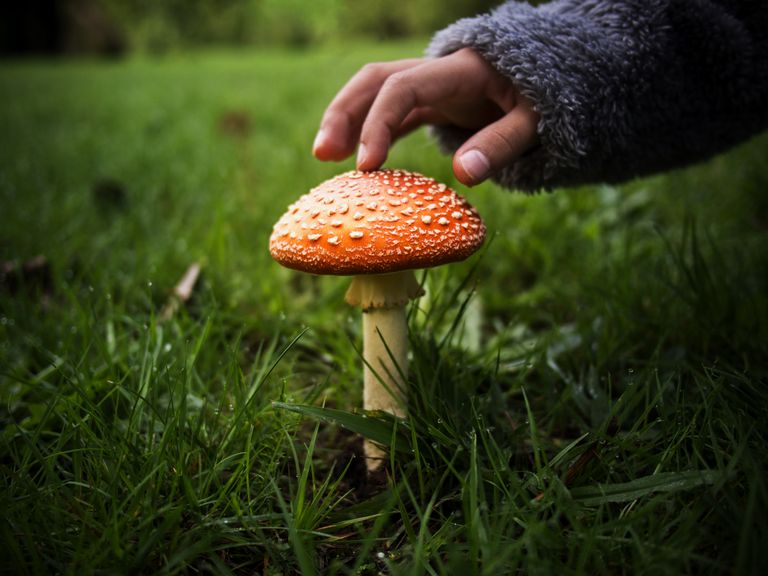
[167, 348]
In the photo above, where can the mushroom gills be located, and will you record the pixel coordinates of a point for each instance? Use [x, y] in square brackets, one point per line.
[391, 290]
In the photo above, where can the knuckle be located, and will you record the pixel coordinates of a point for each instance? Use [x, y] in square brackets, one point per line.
[506, 139]
[400, 83]
[372, 70]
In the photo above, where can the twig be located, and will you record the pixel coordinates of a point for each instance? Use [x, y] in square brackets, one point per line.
[182, 292]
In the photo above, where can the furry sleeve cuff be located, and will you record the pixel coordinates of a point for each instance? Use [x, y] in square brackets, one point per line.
[624, 87]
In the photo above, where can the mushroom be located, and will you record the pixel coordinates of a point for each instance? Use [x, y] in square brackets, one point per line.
[378, 227]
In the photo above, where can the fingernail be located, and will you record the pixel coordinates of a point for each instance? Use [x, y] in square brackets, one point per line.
[475, 164]
[319, 140]
[361, 154]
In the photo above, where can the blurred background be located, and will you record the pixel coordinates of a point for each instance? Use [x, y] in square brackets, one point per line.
[118, 27]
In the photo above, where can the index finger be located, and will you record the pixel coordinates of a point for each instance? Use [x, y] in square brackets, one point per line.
[342, 121]
[452, 77]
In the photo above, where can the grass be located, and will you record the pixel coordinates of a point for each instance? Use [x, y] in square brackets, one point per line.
[588, 395]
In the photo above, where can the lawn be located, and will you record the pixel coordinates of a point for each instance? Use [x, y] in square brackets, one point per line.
[587, 394]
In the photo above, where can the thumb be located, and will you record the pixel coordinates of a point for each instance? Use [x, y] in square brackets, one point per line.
[496, 145]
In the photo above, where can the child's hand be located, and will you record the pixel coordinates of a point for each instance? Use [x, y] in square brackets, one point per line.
[385, 101]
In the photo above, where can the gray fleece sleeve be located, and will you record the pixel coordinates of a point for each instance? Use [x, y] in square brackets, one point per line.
[625, 88]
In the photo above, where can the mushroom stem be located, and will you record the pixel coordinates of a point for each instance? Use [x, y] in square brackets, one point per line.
[385, 351]
[385, 344]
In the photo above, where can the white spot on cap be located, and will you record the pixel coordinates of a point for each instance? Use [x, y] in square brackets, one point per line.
[334, 241]
[336, 223]
[444, 221]
[456, 215]
[357, 216]
[313, 237]
[343, 208]
[426, 219]
[356, 234]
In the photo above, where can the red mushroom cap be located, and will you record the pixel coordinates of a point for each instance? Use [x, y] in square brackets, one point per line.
[374, 223]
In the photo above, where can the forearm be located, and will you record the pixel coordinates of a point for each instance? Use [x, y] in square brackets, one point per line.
[623, 88]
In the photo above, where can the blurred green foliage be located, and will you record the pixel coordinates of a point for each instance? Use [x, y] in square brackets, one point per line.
[160, 26]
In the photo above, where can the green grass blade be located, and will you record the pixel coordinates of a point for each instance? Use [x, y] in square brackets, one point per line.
[645, 486]
[373, 428]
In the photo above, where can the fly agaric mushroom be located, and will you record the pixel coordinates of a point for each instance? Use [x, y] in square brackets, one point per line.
[378, 227]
